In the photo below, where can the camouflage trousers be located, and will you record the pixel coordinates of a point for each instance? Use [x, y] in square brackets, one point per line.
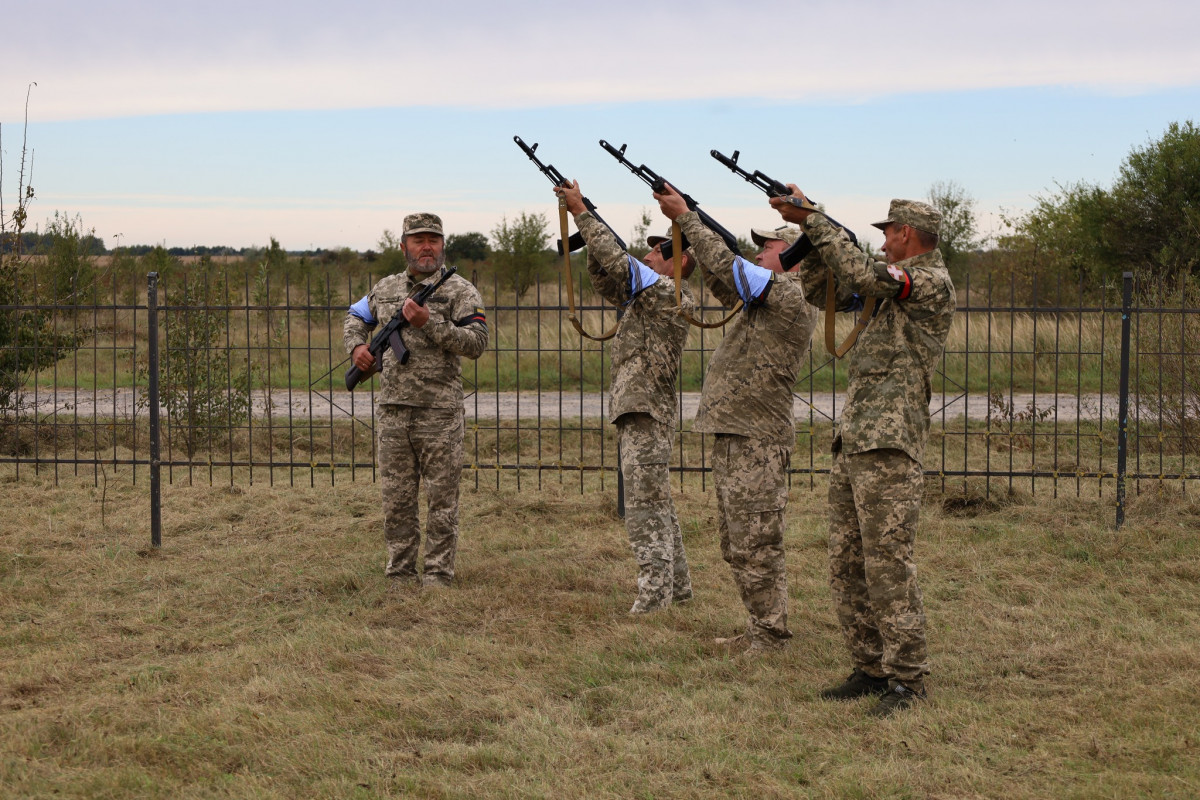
[751, 482]
[416, 444]
[874, 503]
[650, 518]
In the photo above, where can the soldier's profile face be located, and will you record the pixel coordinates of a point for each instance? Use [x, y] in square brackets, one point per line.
[425, 251]
[768, 257]
[654, 259]
[894, 242]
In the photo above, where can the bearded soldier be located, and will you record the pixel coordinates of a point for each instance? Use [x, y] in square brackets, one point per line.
[645, 363]
[419, 421]
[876, 480]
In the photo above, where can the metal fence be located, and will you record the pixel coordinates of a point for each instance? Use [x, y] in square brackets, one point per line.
[225, 375]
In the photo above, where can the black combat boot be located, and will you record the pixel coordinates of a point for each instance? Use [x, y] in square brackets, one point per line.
[898, 698]
[859, 684]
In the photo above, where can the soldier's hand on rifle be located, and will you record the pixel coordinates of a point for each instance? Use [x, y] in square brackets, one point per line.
[670, 202]
[572, 196]
[789, 211]
[362, 358]
[416, 314]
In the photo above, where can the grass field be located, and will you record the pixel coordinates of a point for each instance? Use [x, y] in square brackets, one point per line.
[259, 653]
[291, 336]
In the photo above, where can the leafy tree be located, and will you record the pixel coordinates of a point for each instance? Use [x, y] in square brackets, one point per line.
[124, 268]
[520, 253]
[391, 257]
[275, 258]
[1149, 220]
[157, 259]
[1156, 204]
[69, 249]
[466, 247]
[204, 394]
[1067, 234]
[958, 234]
[28, 340]
[270, 274]
[637, 238]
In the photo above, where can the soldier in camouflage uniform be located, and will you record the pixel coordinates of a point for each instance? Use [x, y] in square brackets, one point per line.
[747, 403]
[645, 362]
[876, 481]
[419, 423]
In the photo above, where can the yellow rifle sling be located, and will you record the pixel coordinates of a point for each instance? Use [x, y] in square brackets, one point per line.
[677, 258]
[835, 350]
[566, 248]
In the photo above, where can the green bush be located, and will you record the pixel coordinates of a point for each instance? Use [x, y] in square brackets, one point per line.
[204, 393]
[70, 252]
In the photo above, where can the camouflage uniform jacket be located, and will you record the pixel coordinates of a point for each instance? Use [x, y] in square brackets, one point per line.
[748, 386]
[650, 335]
[890, 369]
[432, 378]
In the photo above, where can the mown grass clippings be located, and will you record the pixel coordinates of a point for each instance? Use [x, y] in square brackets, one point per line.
[261, 653]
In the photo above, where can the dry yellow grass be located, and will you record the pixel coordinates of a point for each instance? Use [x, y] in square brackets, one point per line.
[260, 653]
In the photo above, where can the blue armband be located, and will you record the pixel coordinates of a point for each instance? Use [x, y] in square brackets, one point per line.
[750, 280]
[362, 310]
[641, 277]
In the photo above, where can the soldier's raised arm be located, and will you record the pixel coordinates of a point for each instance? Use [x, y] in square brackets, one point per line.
[714, 256]
[607, 261]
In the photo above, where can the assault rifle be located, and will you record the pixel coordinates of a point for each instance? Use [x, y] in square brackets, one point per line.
[802, 247]
[390, 335]
[575, 241]
[773, 188]
[658, 184]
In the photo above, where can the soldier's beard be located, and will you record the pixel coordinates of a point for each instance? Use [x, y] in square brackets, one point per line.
[430, 265]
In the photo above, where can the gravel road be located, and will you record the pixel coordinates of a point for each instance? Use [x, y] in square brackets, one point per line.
[531, 405]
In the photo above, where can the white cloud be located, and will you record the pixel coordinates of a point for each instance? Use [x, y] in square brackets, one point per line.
[127, 59]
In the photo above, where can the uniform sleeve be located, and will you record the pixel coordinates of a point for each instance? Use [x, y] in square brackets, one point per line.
[815, 275]
[356, 329]
[855, 271]
[928, 294]
[607, 263]
[465, 332]
[715, 257]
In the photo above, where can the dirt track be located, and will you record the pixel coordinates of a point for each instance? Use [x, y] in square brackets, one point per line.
[530, 405]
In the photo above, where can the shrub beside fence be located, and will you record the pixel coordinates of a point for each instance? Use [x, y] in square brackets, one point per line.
[1061, 389]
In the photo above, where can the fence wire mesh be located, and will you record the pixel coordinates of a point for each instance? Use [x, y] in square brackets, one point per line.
[1027, 397]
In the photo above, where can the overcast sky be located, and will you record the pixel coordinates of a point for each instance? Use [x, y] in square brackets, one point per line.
[322, 124]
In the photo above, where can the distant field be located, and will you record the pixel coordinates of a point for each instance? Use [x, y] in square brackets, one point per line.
[296, 341]
[259, 653]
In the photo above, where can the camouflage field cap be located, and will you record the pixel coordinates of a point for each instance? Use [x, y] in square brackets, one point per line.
[913, 213]
[653, 240]
[423, 223]
[785, 233]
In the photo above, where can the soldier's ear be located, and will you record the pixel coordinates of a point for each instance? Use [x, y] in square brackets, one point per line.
[689, 264]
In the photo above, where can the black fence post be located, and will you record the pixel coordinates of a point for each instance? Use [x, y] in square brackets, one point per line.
[620, 472]
[1123, 406]
[620, 483]
[155, 449]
